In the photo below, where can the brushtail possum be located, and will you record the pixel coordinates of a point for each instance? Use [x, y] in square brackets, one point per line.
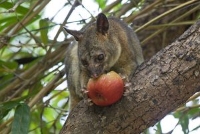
[105, 45]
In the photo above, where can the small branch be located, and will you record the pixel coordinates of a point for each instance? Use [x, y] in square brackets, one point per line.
[33, 75]
[51, 85]
[76, 3]
[164, 28]
[145, 10]
[165, 13]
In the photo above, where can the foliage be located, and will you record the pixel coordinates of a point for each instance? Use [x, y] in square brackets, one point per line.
[21, 121]
[32, 95]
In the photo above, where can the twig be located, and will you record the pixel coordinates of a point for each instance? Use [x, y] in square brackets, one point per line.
[177, 19]
[76, 3]
[164, 14]
[45, 90]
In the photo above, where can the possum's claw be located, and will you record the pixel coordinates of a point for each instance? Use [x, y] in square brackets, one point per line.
[127, 88]
[84, 90]
[88, 101]
[127, 84]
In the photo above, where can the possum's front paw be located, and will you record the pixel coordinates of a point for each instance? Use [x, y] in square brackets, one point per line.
[84, 91]
[127, 88]
[87, 100]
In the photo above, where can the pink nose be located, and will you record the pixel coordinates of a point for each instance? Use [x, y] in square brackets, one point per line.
[94, 76]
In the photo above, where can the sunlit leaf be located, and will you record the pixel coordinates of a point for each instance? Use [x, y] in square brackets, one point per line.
[49, 114]
[36, 121]
[44, 30]
[101, 3]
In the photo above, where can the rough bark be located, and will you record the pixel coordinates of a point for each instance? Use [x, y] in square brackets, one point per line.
[159, 86]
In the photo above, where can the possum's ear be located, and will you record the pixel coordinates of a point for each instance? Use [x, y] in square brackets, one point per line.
[102, 24]
[77, 34]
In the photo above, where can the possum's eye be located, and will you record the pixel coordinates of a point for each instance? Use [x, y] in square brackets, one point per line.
[100, 57]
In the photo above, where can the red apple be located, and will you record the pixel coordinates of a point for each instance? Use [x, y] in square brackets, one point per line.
[105, 90]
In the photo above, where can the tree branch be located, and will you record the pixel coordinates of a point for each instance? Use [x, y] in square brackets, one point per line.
[159, 86]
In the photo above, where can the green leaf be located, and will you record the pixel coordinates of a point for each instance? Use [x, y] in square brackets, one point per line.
[55, 101]
[21, 120]
[193, 112]
[159, 128]
[195, 129]
[7, 21]
[49, 115]
[101, 3]
[36, 120]
[6, 107]
[184, 122]
[7, 66]
[44, 30]
[5, 79]
[8, 5]
[177, 115]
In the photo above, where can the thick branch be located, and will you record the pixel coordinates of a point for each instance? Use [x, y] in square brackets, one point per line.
[158, 87]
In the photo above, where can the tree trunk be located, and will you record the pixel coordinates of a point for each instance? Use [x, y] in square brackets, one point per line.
[159, 86]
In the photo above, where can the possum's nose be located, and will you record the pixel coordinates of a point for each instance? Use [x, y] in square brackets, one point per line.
[94, 76]
[95, 71]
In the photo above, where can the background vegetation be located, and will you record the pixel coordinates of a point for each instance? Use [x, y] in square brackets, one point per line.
[32, 50]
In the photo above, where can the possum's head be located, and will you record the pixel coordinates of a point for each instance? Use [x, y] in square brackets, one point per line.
[98, 49]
